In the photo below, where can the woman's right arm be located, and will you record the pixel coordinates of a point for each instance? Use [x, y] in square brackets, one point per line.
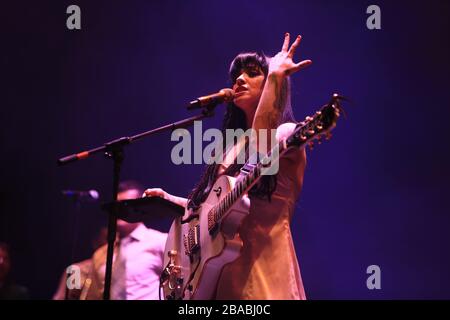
[158, 192]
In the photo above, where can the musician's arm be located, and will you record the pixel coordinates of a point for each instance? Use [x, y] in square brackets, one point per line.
[269, 111]
[178, 200]
[158, 192]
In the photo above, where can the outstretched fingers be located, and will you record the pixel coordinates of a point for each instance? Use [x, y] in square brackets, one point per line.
[301, 65]
[294, 46]
[285, 43]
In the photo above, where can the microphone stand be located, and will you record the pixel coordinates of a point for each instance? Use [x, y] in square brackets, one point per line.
[114, 150]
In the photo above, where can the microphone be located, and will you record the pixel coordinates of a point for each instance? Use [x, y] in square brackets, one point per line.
[224, 95]
[90, 195]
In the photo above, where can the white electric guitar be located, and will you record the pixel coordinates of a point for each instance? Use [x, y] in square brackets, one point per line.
[202, 242]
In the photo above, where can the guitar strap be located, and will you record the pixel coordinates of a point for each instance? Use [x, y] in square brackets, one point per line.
[245, 170]
[248, 167]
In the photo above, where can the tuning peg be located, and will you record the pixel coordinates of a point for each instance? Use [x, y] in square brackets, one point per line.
[311, 145]
[308, 118]
[311, 132]
[319, 140]
[319, 127]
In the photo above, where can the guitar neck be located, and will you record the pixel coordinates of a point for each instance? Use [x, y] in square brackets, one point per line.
[242, 186]
[311, 128]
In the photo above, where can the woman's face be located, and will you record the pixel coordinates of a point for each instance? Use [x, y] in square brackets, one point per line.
[248, 88]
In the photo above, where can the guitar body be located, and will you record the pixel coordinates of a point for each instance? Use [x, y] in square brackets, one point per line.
[201, 255]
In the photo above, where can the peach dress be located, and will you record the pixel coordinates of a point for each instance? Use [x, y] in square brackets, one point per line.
[267, 267]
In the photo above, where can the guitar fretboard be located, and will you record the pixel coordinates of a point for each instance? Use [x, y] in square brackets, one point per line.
[242, 186]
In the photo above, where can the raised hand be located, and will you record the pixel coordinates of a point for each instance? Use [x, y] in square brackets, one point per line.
[282, 63]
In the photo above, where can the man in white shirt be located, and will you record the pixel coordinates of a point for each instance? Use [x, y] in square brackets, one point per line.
[138, 258]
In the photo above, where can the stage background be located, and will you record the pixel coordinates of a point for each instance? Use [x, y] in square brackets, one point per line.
[377, 193]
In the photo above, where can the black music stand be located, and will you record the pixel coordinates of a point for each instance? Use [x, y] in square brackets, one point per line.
[149, 210]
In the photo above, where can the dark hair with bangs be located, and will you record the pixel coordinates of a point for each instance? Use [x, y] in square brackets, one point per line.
[235, 118]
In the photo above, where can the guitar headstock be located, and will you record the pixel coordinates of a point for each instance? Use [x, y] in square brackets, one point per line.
[319, 125]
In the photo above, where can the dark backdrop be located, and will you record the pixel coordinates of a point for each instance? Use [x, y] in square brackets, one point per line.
[377, 193]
